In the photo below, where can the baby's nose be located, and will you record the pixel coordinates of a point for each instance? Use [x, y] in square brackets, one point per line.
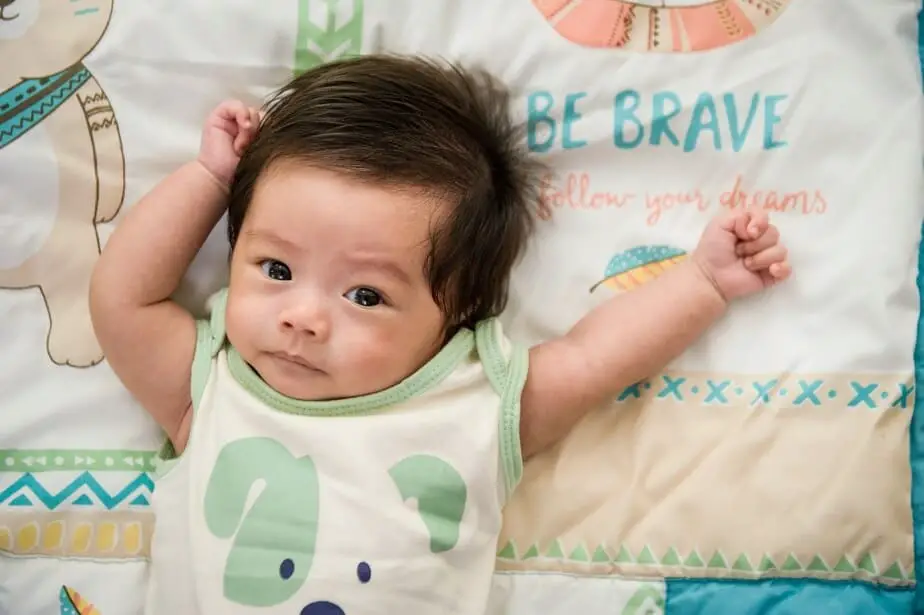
[305, 318]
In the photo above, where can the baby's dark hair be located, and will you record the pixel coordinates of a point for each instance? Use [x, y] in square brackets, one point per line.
[413, 123]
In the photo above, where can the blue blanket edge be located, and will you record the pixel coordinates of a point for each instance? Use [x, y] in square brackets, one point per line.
[917, 417]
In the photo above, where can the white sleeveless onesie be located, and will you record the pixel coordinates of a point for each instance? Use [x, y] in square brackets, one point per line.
[388, 503]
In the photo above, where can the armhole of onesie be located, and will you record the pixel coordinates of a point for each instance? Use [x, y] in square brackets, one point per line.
[506, 365]
[209, 337]
[202, 362]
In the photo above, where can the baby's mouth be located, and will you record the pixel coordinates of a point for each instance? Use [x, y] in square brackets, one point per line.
[296, 360]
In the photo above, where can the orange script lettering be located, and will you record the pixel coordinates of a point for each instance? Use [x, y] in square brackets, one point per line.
[805, 202]
[576, 192]
[656, 203]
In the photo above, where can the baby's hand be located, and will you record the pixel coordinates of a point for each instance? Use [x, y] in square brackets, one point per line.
[740, 252]
[228, 131]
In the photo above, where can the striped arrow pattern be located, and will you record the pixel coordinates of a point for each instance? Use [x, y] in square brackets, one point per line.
[327, 30]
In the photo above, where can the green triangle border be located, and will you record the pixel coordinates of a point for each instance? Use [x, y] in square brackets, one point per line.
[741, 565]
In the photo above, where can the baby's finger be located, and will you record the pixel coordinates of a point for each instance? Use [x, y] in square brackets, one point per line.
[769, 238]
[231, 110]
[764, 260]
[241, 141]
[243, 118]
[226, 125]
[780, 271]
[752, 224]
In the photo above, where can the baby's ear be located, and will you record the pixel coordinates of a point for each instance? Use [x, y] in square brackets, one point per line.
[440, 492]
[274, 540]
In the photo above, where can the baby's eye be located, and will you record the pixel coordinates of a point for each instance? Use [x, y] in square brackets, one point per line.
[276, 270]
[365, 297]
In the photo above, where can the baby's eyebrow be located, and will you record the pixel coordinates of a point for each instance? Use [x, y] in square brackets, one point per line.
[272, 238]
[386, 265]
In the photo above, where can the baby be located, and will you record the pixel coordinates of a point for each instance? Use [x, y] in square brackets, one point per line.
[347, 425]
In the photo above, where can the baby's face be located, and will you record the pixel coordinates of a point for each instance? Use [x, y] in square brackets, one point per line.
[328, 297]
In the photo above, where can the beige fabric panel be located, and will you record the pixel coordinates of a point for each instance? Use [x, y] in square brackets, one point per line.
[725, 475]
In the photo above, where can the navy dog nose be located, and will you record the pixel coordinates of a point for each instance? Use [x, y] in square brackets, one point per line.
[322, 608]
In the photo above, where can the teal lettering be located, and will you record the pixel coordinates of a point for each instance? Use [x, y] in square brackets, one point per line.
[274, 539]
[705, 117]
[538, 106]
[739, 133]
[772, 117]
[626, 104]
[660, 121]
[440, 492]
[571, 116]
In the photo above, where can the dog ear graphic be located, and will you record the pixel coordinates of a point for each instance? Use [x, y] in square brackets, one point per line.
[274, 539]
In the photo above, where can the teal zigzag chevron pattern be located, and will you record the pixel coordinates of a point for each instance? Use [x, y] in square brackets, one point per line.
[27, 103]
[84, 491]
[327, 30]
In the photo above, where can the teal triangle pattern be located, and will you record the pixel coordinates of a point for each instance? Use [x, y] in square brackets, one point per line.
[83, 500]
[21, 500]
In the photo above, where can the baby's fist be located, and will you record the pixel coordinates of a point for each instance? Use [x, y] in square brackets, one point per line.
[741, 253]
[228, 131]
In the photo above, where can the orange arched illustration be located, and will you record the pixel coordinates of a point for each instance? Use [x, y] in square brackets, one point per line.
[659, 25]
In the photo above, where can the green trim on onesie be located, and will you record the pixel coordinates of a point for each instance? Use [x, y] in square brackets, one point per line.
[507, 376]
[511, 449]
[202, 361]
[210, 336]
[211, 339]
[491, 354]
[434, 372]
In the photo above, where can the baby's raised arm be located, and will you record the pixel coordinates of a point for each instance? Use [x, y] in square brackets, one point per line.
[148, 339]
[634, 335]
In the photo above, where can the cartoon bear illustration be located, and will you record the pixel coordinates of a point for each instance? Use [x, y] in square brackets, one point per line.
[659, 25]
[61, 163]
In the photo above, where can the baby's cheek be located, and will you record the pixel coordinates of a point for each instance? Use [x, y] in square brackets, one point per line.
[380, 356]
[376, 361]
[239, 323]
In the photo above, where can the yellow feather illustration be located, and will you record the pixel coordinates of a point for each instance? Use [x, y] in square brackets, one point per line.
[638, 265]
